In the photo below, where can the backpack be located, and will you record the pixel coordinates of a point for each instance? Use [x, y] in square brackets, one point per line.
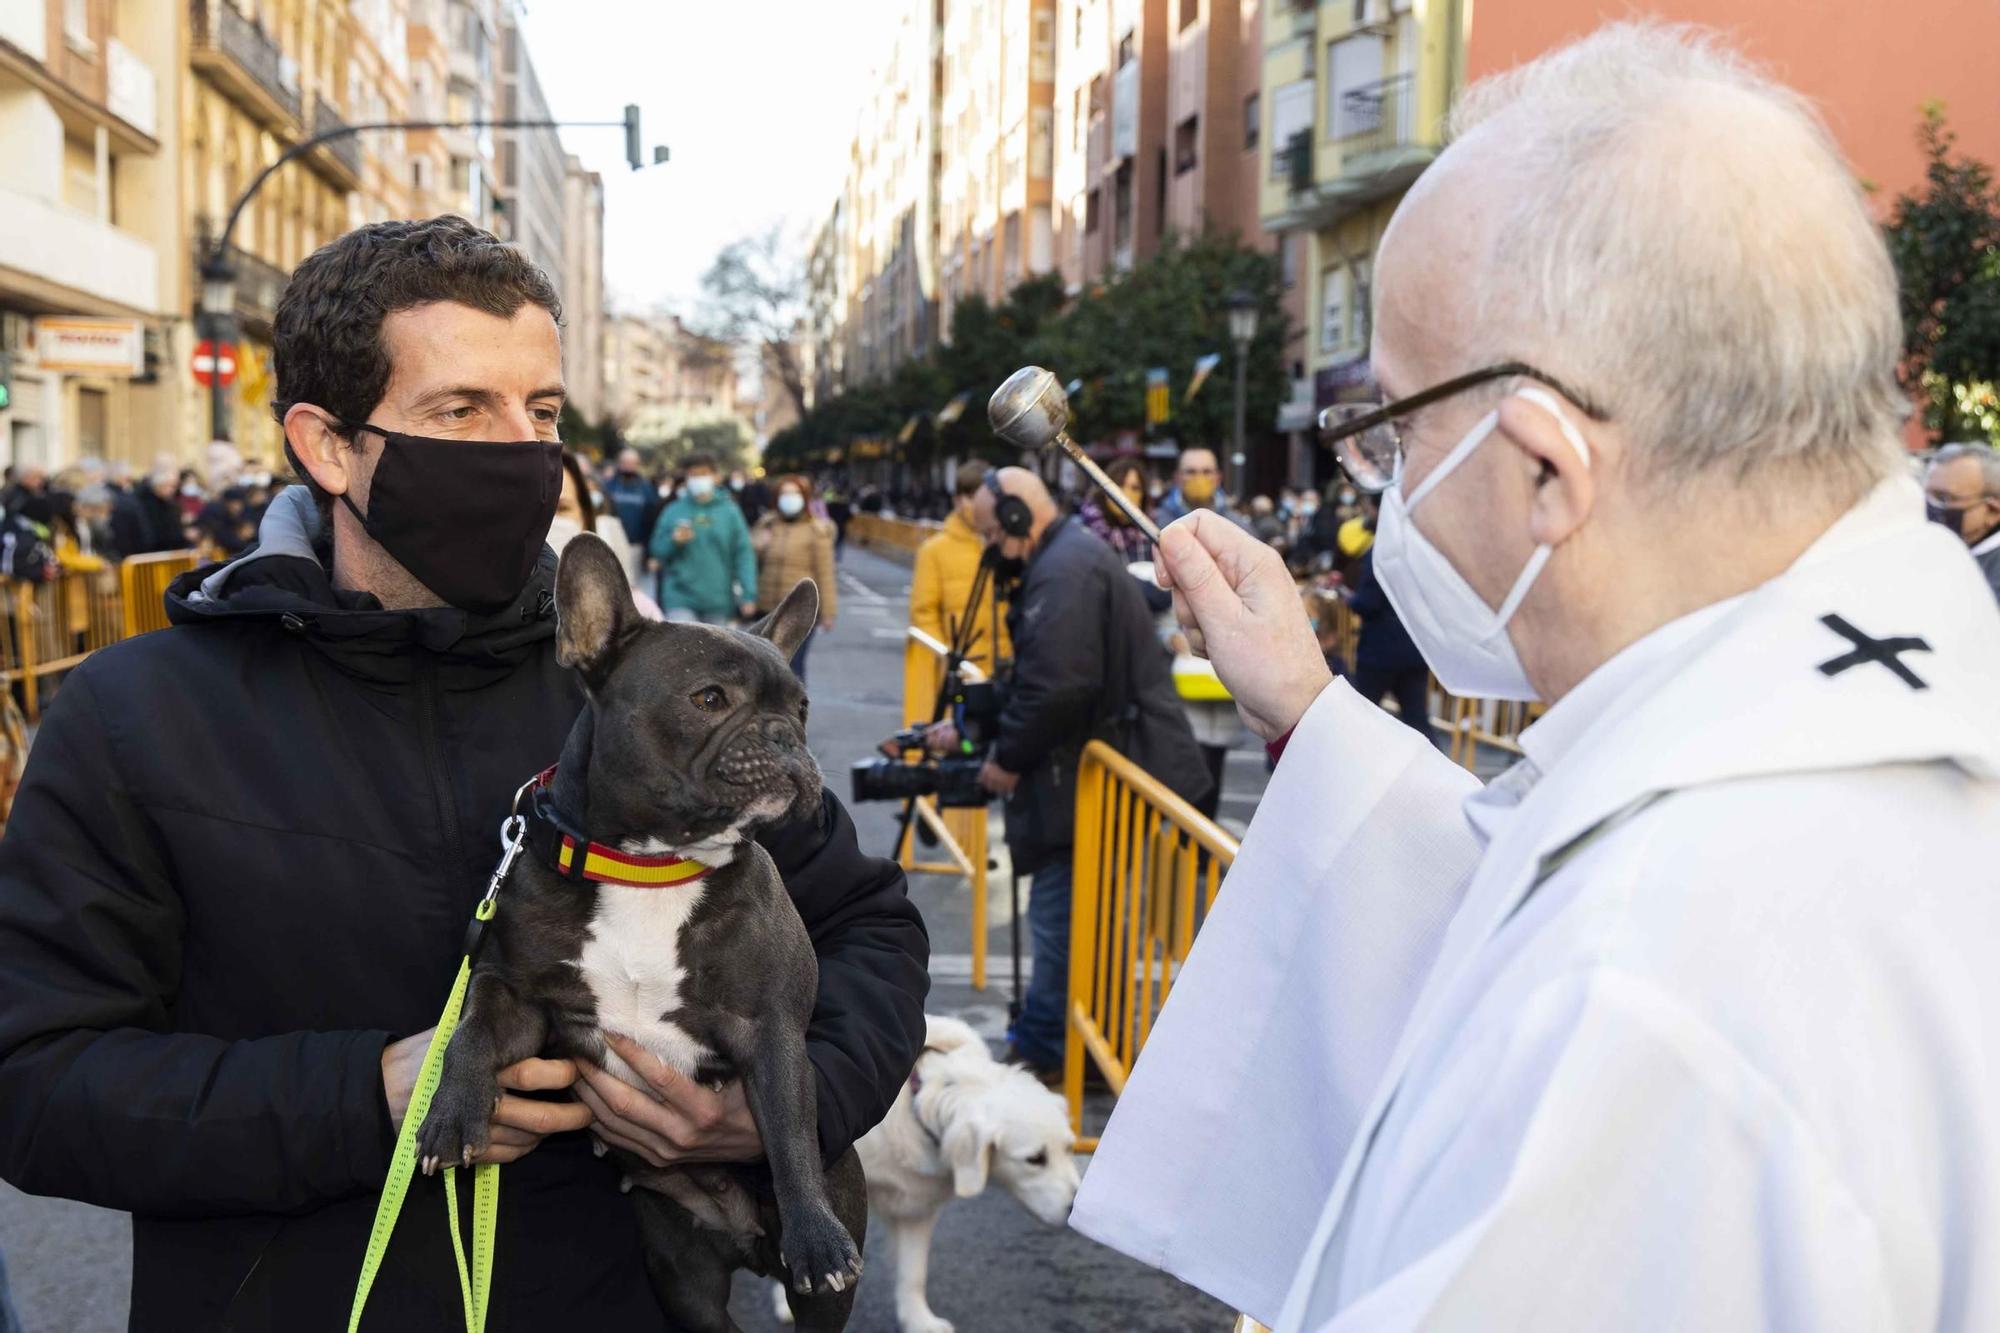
[25, 552]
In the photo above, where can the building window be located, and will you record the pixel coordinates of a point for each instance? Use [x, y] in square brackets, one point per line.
[1090, 205]
[1076, 38]
[1121, 206]
[1125, 50]
[1333, 309]
[1354, 64]
[76, 25]
[1288, 257]
[1043, 68]
[1250, 126]
[1190, 11]
[1076, 123]
[1291, 114]
[1097, 95]
[1187, 152]
[1041, 142]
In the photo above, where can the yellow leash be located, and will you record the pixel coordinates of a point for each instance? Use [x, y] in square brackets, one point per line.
[475, 1278]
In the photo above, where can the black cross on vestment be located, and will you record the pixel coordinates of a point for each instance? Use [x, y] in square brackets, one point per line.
[1874, 650]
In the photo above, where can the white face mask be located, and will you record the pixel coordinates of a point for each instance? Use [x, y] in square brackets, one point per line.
[790, 503]
[1464, 640]
[701, 487]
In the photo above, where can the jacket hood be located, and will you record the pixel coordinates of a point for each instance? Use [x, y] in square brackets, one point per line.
[284, 579]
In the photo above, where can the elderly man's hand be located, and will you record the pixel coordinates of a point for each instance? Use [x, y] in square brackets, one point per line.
[1241, 608]
[674, 1119]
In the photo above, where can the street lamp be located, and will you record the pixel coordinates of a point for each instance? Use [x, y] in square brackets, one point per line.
[218, 309]
[1242, 329]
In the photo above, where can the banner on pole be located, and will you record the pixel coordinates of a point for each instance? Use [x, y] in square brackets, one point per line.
[1204, 366]
[1158, 397]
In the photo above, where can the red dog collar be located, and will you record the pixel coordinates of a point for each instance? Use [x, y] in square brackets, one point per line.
[575, 857]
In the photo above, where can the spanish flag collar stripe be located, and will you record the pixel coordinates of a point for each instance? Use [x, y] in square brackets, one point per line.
[607, 865]
[575, 857]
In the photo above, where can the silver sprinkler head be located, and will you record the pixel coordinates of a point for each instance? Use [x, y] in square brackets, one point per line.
[1030, 410]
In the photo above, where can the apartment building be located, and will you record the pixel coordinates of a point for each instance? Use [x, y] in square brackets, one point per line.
[377, 90]
[426, 153]
[529, 165]
[1111, 136]
[996, 158]
[582, 283]
[471, 40]
[90, 278]
[661, 377]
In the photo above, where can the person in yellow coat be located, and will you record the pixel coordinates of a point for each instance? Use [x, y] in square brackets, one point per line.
[946, 567]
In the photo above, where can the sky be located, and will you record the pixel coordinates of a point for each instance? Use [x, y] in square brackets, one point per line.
[755, 99]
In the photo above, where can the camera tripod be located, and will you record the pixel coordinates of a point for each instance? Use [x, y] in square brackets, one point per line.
[964, 633]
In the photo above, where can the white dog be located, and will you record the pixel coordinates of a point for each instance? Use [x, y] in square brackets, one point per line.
[962, 1119]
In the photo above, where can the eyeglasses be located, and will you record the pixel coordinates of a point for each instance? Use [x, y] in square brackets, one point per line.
[1367, 437]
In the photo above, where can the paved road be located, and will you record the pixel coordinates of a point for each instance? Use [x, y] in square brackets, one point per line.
[994, 1270]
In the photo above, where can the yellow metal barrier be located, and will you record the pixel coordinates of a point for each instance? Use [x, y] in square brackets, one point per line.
[1147, 869]
[52, 626]
[961, 834]
[143, 580]
[878, 531]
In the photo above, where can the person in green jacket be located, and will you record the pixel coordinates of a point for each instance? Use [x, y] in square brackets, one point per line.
[707, 570]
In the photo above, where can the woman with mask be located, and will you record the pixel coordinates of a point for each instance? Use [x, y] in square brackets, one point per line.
[581, 510]
[1110, 523]
[792, 544]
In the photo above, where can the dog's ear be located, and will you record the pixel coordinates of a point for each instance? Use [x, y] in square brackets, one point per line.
[594, 606]
[968, 1146]
[789, 625]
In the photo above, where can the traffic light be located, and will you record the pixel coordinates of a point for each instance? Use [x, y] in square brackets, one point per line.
[633, 153]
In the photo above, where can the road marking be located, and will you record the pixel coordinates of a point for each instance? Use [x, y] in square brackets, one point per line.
[860, 591]
[886, 632]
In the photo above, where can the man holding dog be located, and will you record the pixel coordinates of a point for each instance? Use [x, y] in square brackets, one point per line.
[1686, 1021]
[245, 852]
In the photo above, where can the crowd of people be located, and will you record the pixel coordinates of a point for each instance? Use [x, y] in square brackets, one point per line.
[94, 514]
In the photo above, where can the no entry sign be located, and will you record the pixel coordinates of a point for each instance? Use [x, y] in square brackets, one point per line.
[214, 361]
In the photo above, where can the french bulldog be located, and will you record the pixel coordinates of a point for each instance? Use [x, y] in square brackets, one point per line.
[693, 737]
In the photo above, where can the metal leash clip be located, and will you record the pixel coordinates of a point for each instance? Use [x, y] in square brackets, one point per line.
[513, 837]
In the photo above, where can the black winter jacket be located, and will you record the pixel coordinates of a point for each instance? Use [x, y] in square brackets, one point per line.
[1087, 666]
[241, 861]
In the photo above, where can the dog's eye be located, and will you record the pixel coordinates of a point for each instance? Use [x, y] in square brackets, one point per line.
[1041, 1158]
[710, 698]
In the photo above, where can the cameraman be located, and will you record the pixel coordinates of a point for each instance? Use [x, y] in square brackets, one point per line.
[1087, 666]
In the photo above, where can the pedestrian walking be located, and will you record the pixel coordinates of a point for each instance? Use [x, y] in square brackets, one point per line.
[792, 544]
[707, 569]
[635, 500]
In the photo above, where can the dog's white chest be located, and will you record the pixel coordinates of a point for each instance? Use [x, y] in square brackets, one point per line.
[631, 962]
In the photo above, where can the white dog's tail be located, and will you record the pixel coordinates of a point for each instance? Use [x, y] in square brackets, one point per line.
[949, 1034]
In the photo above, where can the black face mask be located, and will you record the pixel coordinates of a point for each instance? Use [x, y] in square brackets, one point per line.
[1948, 516]
[467, 518]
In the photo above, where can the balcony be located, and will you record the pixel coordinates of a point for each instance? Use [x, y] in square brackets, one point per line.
[339, 160]
[258, 284]
[1374, 119]
[91, 266]
[245, 62]
[1376, 149]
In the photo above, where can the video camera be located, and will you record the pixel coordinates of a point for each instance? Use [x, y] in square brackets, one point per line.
[953, 779]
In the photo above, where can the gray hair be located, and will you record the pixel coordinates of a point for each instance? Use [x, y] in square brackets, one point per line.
[1985, 455]
[94, 494]
[1681, 235]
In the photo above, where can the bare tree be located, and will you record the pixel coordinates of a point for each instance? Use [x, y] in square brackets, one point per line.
[754, 296]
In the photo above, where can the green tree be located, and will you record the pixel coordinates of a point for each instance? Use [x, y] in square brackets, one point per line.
[1945, 240]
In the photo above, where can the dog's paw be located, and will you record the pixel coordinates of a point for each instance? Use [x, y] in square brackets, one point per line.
[455, 1130]
[819, 1255]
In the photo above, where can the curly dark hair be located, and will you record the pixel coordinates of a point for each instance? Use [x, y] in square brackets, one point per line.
[326, 342]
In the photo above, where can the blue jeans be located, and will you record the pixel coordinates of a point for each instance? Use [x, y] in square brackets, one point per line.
[1038, 1035]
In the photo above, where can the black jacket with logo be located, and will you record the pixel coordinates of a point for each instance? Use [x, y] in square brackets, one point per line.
[241, 861]
[1087, 666]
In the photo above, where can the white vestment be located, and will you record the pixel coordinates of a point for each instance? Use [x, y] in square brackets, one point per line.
[1686, 1023]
